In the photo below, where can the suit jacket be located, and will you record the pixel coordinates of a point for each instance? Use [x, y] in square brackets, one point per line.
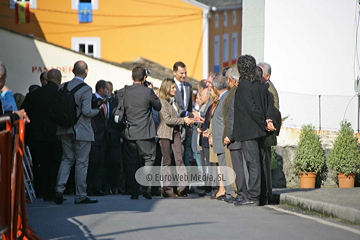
[99, 124]
[82, 129]
[139, 102]
[234, 145]
[225, 108]
[31, 139]
[180, 102]
[114, 135]
[168, 120]
[218, 126]
[253, 105]
[274, 93]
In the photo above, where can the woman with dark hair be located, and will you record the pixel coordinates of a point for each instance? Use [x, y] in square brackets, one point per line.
[169, 134]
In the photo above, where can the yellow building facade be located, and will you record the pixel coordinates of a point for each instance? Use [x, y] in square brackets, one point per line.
[123, 30]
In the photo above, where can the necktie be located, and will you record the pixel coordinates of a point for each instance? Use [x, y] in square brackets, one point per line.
[182, 91]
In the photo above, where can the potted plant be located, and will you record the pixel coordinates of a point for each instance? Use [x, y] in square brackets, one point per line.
[344, 157]
[309, 157]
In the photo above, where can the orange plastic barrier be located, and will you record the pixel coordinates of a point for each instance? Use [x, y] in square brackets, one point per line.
[13, 221]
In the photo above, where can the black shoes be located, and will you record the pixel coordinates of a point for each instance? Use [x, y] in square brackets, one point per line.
[146, 194]
[247, 202]
[231, 199]
[58, 199]
[87, 200]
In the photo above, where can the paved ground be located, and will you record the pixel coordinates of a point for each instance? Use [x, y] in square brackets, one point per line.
[118, 217]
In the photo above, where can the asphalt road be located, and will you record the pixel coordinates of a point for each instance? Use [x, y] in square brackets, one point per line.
[118, 217]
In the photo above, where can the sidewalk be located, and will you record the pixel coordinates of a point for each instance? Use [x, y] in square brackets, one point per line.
[342, 203]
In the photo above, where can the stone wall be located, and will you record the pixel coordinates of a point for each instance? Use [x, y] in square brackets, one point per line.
[284, 176]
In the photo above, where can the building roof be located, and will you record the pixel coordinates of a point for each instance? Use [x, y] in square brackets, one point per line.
[156, 70]
[220, 3]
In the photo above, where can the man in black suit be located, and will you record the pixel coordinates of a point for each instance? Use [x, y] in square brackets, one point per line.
[114, 171]
[97, 153]
[183, 95]
[139, 135]
[49, 152]
[253, 117]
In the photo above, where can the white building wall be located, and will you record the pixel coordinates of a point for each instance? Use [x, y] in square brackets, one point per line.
[311, 48]
[25, 58]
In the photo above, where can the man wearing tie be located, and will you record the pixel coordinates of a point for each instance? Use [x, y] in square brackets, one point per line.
[183, 94]
[98, 147]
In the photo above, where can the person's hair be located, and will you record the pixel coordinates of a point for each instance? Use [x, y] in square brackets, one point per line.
[138, 73]
[220, 82]
[2, 70]
[246, 65]
[43, 75]
[202, 83]
[177, 65]
[233, 73]
[108, 82]
[266, 67]
[33, 87]
[53, 74]
[80, 68]
[165, 88]
[100, 84]
[258, 74]
[224, 71]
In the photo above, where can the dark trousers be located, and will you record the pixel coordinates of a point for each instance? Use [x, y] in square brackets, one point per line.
[157, 164]
[114, 171]
[138, 153]
[266, 182]
[96, 167]
[253, 152]
[239, 168]
[49, 158]
[176, 147]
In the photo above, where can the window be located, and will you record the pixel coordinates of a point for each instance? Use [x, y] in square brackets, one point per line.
[32, 3]
[216, 54]
[74, 3]
[225, 19]
[88, 46]
[216, 20]
[226, 50]
[234, 17]
[234, 48]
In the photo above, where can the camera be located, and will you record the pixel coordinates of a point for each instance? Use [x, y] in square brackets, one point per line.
[147, 73]
[97, 102]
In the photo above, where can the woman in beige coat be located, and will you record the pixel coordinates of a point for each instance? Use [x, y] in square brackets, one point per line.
[169, 134]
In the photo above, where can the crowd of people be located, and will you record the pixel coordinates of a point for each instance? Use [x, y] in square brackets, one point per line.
[232, 121]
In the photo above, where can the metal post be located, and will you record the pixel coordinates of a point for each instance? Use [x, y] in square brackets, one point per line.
[319, 112]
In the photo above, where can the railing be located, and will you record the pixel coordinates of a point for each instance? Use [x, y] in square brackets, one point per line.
[13, 220]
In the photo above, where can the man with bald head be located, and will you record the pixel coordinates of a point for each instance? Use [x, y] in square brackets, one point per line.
[76, 140]
[47, 147]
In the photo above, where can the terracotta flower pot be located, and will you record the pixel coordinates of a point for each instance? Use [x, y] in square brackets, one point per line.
[307, 179]
[346, 181]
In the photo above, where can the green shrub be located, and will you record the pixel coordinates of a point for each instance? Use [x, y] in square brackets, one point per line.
[309, 156]
[344, 157]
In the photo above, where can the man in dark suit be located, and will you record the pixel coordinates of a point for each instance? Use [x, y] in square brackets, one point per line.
[114, 167]
[76, 140]
[253, 117]
[49, 151]
[233, 146]
[183, 95]
[139, 135]
[220, 89]
[33, 138]
[271, 138]
[97, 153]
